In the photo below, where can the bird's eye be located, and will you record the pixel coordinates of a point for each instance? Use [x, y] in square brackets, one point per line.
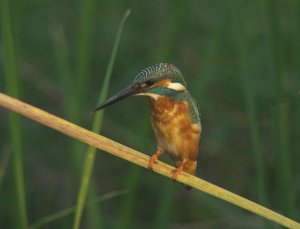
[149, 83]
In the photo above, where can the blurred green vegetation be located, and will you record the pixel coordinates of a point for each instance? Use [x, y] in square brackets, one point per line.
[241, 60]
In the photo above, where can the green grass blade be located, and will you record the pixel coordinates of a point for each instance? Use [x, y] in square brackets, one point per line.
[60, 214]
[280, 114]
[87, 8]
[11, 79]
[297, 63]
[75, 86]
[107, 76]
[125, 210]
[90, 158]
[64, 70]
[4, 159]
[67, 81]
[165, 207]
[80, 81]
[251, 104]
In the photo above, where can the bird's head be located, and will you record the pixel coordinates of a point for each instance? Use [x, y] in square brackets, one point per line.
[154, 81]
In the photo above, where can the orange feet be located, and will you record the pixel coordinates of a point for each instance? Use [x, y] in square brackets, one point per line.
[179, 169]
[153, 159]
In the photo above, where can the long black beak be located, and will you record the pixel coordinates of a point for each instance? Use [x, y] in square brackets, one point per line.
[124, 93]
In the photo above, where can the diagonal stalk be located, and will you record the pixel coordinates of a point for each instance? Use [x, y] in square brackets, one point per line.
[91, 151]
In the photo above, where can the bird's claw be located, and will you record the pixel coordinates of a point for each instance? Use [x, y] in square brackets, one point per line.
[178, 170]
[153, 160]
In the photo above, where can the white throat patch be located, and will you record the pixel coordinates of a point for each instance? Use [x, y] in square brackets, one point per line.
[176, 86]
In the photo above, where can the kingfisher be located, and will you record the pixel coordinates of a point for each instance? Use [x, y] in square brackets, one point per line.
[174, 114]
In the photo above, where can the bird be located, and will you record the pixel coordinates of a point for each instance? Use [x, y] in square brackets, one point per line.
[174, 115]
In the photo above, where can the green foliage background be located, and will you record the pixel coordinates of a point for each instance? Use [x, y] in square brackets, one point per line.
[241, 60]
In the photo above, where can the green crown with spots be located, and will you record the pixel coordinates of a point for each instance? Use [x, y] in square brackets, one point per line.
[158, 72]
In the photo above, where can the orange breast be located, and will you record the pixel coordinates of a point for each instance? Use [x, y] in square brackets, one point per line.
[175, 133]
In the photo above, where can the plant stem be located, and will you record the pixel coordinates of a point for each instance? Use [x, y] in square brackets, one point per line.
[11, 78]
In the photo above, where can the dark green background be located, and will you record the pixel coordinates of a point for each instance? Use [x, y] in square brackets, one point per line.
[241, 60]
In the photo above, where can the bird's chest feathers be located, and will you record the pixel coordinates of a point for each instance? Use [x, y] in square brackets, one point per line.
[174, 130]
